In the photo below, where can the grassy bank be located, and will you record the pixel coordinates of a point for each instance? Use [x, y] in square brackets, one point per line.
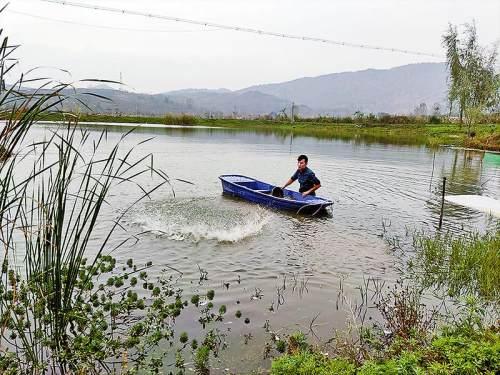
[454, 350]
[415, 336]
[486, 136]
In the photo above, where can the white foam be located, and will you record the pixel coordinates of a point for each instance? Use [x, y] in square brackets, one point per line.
[198, 232]
[478, 202]
[197, 225]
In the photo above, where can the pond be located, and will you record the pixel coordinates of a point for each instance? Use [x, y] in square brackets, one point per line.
[277, 266]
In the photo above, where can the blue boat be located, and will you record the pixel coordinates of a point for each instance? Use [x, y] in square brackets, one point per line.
[260, 192]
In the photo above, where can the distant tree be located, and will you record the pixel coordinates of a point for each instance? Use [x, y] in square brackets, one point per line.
[436, 109]
[473, 82]
[420, 110]
[282, 114]
[358, 115]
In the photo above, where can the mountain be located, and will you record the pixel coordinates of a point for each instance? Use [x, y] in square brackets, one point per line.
[196, 91]
[396, 90]
[121, 101]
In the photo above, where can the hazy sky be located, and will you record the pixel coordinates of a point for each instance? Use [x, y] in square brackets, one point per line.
[156, 56]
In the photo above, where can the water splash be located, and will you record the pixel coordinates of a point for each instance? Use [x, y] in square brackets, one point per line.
[198, 219]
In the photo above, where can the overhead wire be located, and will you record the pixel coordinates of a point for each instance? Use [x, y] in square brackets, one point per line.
[103, 26]
[239, 28]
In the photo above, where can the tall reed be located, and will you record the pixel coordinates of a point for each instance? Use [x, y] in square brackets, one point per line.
[65, 307]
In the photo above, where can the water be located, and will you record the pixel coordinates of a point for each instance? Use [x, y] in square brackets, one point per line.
[377, 189]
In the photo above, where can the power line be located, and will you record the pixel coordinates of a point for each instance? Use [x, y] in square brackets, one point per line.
[237, 28]
[105, 27]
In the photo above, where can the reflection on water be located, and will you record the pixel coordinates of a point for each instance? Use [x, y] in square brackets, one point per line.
[466, 174]
[282, 135]
[369, 182]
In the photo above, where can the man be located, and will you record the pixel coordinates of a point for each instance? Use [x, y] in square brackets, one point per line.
[309, 183]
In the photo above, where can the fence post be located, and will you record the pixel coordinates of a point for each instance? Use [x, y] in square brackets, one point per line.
[442, 204]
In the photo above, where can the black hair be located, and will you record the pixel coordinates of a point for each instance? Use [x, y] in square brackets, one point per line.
[303, 157]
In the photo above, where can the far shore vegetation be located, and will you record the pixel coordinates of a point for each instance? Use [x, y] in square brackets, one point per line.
[412, 130]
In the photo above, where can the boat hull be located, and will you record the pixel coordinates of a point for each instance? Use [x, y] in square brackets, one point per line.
[252, 190]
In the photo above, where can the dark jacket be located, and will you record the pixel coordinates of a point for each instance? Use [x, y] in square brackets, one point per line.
[307, 179]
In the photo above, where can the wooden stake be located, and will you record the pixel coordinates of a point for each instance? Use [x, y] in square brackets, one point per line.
[442, 204]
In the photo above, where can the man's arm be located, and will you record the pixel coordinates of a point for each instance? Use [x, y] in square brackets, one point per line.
[311, 190]
[289, 182]
[291, 179]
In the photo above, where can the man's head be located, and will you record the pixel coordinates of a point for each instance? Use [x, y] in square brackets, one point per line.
[302, 162]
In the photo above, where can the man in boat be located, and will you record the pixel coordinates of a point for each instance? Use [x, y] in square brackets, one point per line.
[308, 181]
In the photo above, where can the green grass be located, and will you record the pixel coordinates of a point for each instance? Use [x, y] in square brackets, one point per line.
[452, 351]
[486, 135]
[307, 363]
[460, 265]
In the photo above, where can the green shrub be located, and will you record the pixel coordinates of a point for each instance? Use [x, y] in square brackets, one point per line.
[469, 355]
[462, 348]
[389, 367]
[305, 363]
[297, 343]
[182, 119]
[435, 119]
[201, 360]
[451, 352]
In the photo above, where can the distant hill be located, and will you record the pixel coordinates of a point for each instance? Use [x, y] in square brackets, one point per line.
[396, 91]
[121, 101]
[196, 91]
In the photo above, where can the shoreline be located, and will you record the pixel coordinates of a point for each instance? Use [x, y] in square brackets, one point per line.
[130, 124]
[486, 136]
